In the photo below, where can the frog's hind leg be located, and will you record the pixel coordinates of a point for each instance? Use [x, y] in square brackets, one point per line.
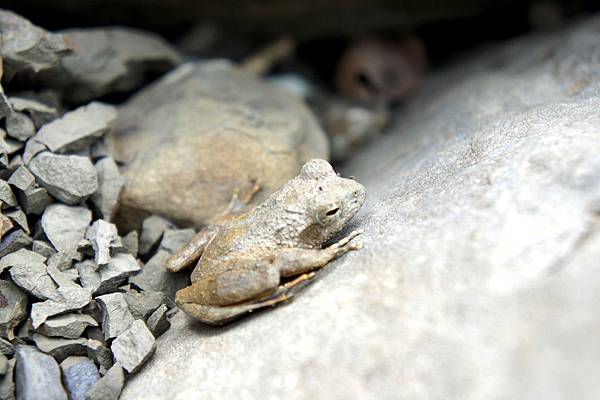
[219, 315]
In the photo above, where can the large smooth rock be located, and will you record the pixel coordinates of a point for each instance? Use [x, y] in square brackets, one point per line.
[479, 277]
[203, 132]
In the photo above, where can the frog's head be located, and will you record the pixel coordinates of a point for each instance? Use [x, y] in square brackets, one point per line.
[332, 201]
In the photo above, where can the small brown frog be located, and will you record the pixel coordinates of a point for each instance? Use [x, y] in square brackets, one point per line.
[244, 257]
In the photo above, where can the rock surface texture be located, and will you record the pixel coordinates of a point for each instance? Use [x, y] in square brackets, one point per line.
[217, 130]
[479, 277]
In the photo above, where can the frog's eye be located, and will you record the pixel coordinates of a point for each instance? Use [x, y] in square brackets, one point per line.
[325, 217]
[332, 212]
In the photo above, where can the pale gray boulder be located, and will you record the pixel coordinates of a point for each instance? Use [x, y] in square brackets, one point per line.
[479, 275]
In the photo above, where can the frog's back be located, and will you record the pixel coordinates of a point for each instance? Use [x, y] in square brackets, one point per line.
[240, 239]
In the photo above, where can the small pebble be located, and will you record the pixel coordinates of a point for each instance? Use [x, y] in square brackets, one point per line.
[70, 298]
[116, 317]
[33, 278]
[143, 304]
[60, 348]
[7, 382]
[110, 183]
[39, 113]
[69, 326]
[80, 374]
[69, 178]
[65, 226]
[22, 179]
[103, 236]
[13, 241]
[37, 376]
[13, 307]
[109, 387]
[134, 347]
[154, 277]
[77, 129]
[43, 248]
[153, 228]
[158, 322]
[19, 126]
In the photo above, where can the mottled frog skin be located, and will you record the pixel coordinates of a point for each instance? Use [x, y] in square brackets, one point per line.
[243, 259]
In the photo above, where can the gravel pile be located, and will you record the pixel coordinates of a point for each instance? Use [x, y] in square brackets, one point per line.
[79, 310]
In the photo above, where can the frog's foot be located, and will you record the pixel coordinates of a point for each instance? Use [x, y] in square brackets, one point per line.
[219, 315]
[345, 245]
[239, 201]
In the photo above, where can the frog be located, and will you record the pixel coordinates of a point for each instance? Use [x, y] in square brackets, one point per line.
[259, 257]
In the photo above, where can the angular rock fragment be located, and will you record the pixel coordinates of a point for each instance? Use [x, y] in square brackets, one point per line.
[6, 347]
[143, 304]
[158, 322]
[6, 225]
[107, 278]
[13, 241]
[60, 348]
[25, 333]
[7, 382]
[79, 375]
[35, 200]
[25, 46]
[69, 326]
[116, 271]
[110, 183]
[109, 386]
[103, 236]
[22, 179]
[134, 347]
[13, 164]
[88, 274]
[107, 60]
[7, 197]
[37, 375]
[77, 129]
[32, 149]
[174, 239]
[3, 365]
[13, 308]
[43, 248]
[70, 298]
[39, 112]
[69, 178]
[65, 226]
[9, 146]
[19, 126]
[61, 260]
[153, 228]
[154, 277]
[130, 243]
[19, 218]
[63, 278]
[20, 257]
[116, 317]
[33, 278]
[101, 354]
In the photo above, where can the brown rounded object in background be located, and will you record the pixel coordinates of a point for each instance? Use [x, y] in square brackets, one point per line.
[378, 70]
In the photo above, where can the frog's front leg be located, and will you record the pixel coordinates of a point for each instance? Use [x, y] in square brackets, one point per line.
[191, 252]
[188, 255]
[296, 261]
